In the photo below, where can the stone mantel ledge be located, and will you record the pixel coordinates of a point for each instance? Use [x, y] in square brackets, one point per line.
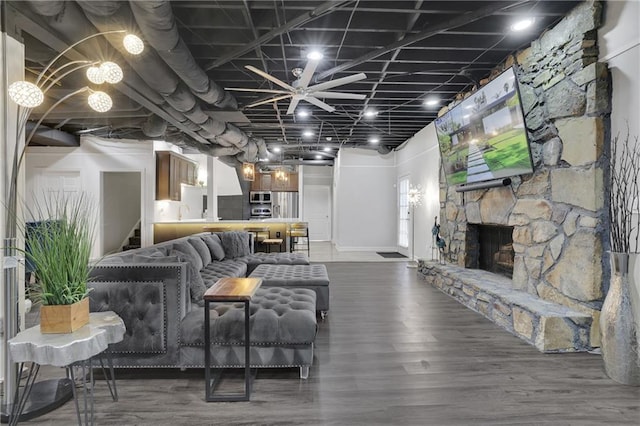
[548, 326]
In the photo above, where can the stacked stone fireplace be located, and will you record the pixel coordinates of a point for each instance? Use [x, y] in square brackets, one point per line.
[556, 214]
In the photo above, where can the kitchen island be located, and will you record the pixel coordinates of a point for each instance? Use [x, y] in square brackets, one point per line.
[276, 228]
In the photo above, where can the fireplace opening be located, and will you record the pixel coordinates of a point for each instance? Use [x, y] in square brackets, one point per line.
[490, 247]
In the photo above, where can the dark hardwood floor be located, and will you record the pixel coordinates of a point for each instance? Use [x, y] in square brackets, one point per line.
[392, 351]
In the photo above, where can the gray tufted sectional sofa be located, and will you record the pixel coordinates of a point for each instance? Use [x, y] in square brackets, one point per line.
[157, 291]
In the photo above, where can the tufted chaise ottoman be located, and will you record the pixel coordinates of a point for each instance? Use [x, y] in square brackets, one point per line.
[313, 277]
[282, 331]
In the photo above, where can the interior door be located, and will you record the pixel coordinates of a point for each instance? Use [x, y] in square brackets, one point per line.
[317, 208]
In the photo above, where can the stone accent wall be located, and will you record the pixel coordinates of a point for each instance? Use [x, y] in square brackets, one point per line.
[558, 212]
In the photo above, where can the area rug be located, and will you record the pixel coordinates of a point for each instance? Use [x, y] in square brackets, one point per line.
[391, 254]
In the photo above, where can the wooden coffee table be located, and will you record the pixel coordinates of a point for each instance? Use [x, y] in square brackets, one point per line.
[228, 290]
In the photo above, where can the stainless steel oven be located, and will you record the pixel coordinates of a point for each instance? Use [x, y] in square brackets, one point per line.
[260, 212]
[260, 197]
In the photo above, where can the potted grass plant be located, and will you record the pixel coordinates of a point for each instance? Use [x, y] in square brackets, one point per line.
[59, 247]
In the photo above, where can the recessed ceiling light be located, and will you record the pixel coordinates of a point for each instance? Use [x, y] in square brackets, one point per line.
[327, 148]
[314, 55]
[276, 149]
[431, 102]
[522, 25]
[374, 140]
[370, 113]
[329, 138]
[303, 113]
[307, 133]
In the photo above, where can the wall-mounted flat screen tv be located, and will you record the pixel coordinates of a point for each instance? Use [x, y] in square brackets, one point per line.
[484, 137]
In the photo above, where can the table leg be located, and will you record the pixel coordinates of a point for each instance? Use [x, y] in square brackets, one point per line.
[210, 384]
[87, 392]
[207, 352]
[75, 392]
[247, 350]
[111, 379]
[21, 400]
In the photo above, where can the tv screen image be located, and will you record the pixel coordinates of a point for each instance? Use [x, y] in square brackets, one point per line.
[484, 137]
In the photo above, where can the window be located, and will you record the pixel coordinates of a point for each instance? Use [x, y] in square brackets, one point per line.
[403, 212]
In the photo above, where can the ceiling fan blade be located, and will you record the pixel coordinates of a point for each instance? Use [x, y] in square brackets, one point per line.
[306, 75]
[337, 95]
[243, 89]
[337, 82]
[319, 103]
[270, 77]
[266, 101]
[293, 105]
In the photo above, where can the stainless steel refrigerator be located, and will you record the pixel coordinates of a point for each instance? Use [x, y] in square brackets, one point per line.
[284, 205]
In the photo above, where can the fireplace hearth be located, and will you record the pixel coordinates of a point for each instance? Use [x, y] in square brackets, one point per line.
[490, 248]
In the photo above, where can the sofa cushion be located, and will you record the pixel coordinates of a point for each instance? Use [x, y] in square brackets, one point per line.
[190, 251]
[111, 260]
[196, 284]
[255, 259]
[138, 258]
[215, 246]
[221, 269]
[277, 316]
[202, 249]
[235, 243]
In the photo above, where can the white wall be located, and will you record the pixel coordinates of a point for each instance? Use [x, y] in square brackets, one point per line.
[90, 159]
[419, 159]
[619, 41]
[364, 201]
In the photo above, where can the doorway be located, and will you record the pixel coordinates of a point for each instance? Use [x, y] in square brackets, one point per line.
[317, 208]
[120, 209]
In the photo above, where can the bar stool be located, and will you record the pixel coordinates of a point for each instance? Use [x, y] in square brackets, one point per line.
[273, 242]
[260, 233]
[298, 231]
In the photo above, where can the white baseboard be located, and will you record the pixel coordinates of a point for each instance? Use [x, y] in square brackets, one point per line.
[345, 248]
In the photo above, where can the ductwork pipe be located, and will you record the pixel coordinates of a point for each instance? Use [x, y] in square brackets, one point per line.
[156, 80]
[156, 21]
[51, 137]
[309, 162]
[154, 127]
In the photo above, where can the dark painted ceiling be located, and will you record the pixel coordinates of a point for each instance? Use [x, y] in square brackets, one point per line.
[410, 51]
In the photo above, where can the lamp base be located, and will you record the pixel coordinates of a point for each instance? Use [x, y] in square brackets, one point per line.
[45, 396]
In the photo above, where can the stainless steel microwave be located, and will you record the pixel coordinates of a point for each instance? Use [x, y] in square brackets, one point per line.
[260, 197]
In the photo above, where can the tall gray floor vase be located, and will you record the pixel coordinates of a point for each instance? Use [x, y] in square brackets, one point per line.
[617, 325]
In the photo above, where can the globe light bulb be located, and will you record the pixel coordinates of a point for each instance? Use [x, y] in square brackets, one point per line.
[100, 101]
[26, 94]
[111, 72]
[133, 44]
[95, 75]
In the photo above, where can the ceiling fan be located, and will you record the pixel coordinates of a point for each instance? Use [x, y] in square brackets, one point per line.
[301, 91]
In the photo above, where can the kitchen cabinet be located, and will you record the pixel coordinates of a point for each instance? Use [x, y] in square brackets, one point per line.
[268, 182]
[172, 170]
[289, 185]
[261, 182]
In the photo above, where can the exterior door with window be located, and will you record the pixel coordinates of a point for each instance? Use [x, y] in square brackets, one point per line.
[403, 212]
